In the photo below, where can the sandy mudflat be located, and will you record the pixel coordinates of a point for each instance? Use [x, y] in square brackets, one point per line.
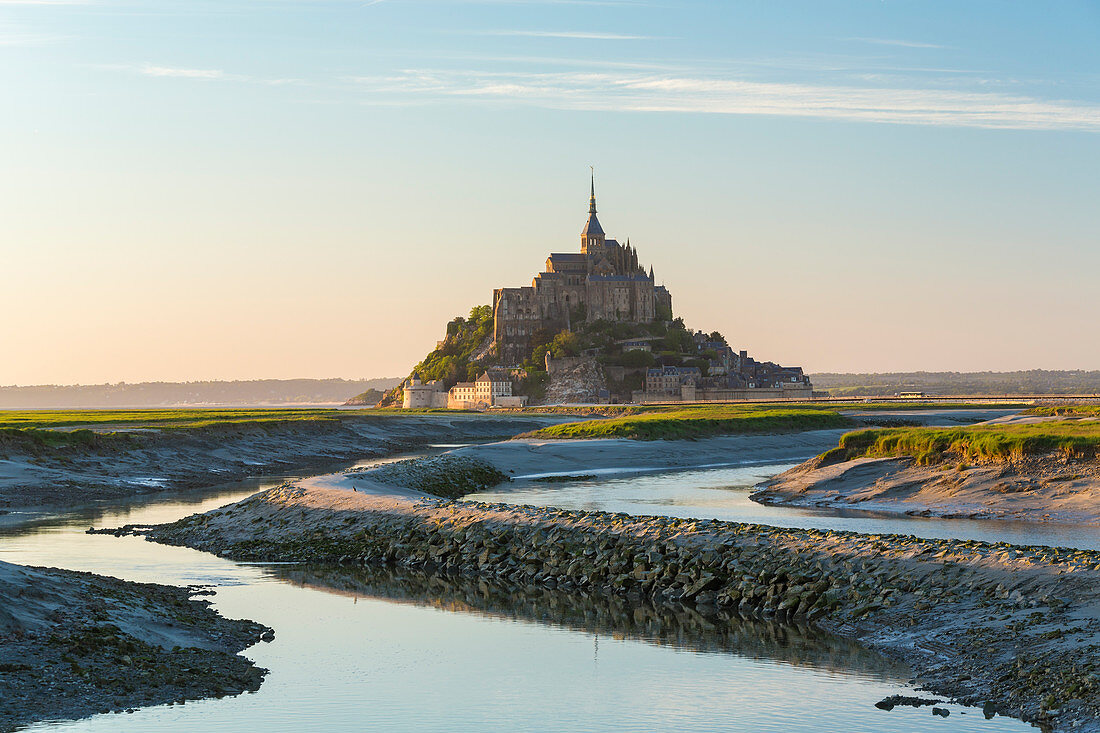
[530, 458]
[1041, 489]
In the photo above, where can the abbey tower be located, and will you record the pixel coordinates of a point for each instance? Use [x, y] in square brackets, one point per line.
[604, 281]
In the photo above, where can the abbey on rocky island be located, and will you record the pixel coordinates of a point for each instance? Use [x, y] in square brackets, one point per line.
[604, 281]
[605, 331]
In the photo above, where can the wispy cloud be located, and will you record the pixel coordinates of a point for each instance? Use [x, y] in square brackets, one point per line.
[894, 42]
[178, 72]
[637, 92]
[583, 35]
[605, 3]
[558, 2]
[150, 70]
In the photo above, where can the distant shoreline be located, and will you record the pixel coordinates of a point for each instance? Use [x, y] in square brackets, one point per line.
[207, 393]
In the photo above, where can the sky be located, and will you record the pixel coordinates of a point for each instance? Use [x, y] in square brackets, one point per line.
[221, 189]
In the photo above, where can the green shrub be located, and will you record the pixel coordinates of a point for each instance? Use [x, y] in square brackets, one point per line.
[636, 359]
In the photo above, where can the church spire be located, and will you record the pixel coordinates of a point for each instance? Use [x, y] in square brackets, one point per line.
[592, 198]
[592, 235]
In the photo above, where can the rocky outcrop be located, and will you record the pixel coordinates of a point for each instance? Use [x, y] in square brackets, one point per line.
[370, 398]
[574, 380]
[1012, 628]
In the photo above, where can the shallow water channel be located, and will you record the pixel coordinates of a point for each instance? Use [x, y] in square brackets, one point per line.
[723, 493]
[375, 650]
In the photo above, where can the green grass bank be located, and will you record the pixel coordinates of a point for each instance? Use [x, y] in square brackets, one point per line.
[699, 422]
[975, 443]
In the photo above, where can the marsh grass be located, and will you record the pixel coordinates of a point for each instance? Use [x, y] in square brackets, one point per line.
[698, 422]
[43, 430]
[37, 441]
[189, 418]
[975, 443]
[184, 418]
[1065, 411]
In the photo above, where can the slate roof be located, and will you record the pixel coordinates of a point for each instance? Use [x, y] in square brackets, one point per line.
[592, 226]
[619, 278]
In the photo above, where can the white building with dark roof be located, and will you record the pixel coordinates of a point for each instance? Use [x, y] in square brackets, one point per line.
[492, 389]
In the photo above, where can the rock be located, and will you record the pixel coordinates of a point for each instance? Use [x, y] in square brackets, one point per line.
[893, 701]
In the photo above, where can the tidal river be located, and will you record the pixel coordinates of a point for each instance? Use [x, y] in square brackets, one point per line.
[377, 650]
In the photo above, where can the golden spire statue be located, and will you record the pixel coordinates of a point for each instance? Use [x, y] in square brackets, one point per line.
[592, 198]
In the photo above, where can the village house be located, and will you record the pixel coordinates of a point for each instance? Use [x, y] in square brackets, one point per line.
[492, 389]
[669, 380]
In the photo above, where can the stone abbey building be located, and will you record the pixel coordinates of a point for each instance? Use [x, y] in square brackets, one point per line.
[604, 281]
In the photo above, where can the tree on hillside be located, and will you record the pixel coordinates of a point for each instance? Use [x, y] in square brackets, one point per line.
[451, 360]
[637, 358]
[566, 343]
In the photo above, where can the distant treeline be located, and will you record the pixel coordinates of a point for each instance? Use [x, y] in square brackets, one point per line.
[1035, 381]
[168, 394]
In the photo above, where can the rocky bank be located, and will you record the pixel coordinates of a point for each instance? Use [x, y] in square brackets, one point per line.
[74, 644]
[1014, 629]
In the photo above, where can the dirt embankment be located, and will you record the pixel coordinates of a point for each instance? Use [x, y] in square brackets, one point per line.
[141, 462]
[1012, 628]
[75, 644]
[1049, 488]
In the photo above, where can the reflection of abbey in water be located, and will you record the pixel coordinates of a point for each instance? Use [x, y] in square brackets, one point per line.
[687, 627]
[604, 281]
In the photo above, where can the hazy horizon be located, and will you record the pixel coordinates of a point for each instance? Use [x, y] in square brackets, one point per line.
[284, 189]
[401, 377]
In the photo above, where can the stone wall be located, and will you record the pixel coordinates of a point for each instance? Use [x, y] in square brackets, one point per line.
[725, 395]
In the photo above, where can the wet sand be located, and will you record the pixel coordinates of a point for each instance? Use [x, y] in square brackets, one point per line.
[1051, 488]
[532, 458]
